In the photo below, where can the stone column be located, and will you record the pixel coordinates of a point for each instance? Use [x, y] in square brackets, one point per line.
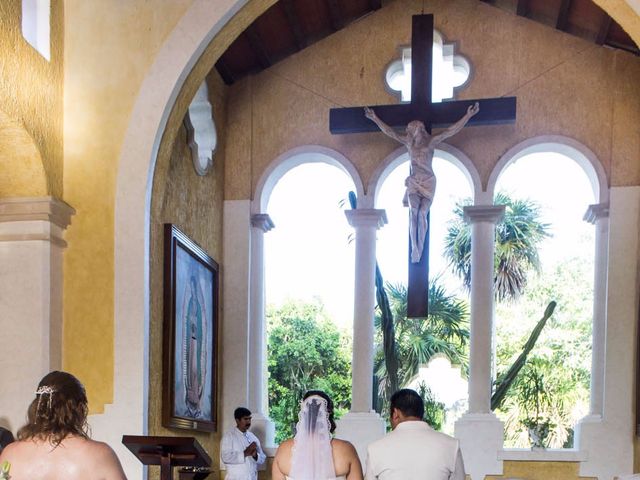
[31, 248]
[262, 426]
[606, 438]
[362, 425]
[479, 422]
[598, 215]
[483, 221]
[365, 222]
[235, 325]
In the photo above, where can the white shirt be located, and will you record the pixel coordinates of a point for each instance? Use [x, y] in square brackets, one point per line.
[414, 451]
[232, 449]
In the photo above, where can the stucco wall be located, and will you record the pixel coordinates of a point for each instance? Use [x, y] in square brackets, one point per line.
[564, 85]
[31, 97]
[194, 204]
[108, 51]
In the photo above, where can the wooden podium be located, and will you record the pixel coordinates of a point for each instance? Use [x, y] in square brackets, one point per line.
[168, 452]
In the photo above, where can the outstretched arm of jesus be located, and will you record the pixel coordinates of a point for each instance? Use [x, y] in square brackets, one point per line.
[386, 129]
[456, 127]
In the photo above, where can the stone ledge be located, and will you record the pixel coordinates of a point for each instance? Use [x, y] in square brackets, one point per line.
[549, 455]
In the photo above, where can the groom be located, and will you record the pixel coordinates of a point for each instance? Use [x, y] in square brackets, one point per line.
[413, 450]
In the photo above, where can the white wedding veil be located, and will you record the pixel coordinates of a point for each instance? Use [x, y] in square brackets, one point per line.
[312, 458]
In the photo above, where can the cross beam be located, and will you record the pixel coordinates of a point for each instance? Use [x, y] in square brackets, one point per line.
[434, 115]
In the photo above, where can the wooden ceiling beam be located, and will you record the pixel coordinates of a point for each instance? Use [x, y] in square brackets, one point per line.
[225, 72]
[603, 31]
[563, 15]
[337, 20]
[294, 23]
[257, 45]
[622, 46]
[522, 8]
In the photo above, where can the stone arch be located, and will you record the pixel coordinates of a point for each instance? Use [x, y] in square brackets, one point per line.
[446, 151]
[298, 156]
[21, 170]
[181, 54]
[569, 147]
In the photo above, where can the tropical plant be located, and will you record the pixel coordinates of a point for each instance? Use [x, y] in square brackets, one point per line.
[518, 236]
[505, 380]
[445, 332]
[562, 354]
[434, 411]
[306, 351]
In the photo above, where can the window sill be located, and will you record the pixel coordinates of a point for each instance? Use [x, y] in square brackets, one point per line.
[549, 455]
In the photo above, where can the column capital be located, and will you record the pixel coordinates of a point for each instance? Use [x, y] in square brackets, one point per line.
[595, 212]
[483, 213]
[25, 209]
[262, 221]
[363, 217]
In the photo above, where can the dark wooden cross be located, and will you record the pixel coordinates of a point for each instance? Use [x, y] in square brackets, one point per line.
[433, 115]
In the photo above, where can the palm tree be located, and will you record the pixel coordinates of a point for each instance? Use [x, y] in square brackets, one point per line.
[444, 332]
[518, 236]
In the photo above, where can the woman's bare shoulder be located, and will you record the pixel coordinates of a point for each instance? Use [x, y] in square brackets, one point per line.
[285, 446]
[343, 446]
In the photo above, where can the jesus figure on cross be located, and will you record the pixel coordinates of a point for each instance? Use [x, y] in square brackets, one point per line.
[421, 182]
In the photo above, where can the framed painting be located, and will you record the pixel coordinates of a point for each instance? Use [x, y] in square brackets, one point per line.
[190, 334]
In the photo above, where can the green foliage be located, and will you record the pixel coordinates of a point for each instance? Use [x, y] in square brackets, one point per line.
[433, 410]
[506, 379]
[562, 355]
[444, 332]
[518, 236]
[306, 351]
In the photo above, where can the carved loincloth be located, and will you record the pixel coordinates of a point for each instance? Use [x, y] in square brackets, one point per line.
[421, 184]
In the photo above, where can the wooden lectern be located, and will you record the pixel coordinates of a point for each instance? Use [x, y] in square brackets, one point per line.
[168, 452]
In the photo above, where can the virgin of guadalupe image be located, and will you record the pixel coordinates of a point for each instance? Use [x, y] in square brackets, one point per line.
[194, 348]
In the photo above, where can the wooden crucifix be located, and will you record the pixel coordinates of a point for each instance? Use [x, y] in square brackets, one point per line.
[432, 115]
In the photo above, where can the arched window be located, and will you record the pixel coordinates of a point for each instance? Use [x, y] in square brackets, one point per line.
[36, 25]
[545, 252]
[451, 71]
[309, 282]
[424, 365]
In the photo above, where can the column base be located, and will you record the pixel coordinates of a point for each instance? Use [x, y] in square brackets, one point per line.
[608, 447]
[265, 429]
[360, 428]
[481, 437]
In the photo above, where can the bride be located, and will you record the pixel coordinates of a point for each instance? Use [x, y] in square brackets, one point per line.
[312, 454]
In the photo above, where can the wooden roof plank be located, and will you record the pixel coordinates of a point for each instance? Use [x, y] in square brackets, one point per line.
[225, 72]
[257, 46]
[294, 23]
[603, 31]
[522, 8]
[563, 15]
[337, 20]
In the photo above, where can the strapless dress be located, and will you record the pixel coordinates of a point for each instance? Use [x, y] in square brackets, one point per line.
[332, 478]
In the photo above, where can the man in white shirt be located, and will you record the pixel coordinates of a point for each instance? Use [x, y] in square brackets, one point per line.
[413, 450]
[240, 449]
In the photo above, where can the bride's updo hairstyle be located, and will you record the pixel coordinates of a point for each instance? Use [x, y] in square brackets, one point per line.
[59, 409]
[321, 394]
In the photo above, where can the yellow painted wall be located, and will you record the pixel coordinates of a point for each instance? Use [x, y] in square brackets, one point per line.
[540, 471]
[109, 48]
[31, 102]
